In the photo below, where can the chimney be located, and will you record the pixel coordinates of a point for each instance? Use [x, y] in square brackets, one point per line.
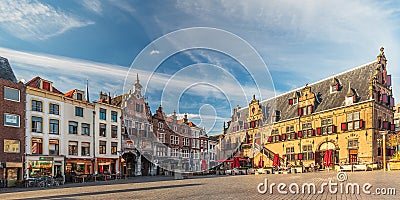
[185, 119]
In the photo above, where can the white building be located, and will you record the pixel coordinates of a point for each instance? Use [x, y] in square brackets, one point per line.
[78, 137]
[108, 135]
[44, 130]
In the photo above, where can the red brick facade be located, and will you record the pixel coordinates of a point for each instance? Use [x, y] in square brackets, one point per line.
[11, 161]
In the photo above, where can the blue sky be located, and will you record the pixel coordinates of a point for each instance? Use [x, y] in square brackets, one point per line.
[300, 42]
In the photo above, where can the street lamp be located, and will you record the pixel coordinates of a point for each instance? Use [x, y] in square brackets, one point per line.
[384, 148]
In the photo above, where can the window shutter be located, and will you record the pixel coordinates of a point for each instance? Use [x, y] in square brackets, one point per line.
[313, 132]
[290, 101]
[391, 102]
[283, 137]
[361, 124]
[344, 126]
[300, 156]
[300, 111]
[337, 86]
[354, 98]
[295, 136]
[300, 134]
[389, 80]
[385, 98]
[319, 131]
[334, 129]
[392, 127]
[270, 139]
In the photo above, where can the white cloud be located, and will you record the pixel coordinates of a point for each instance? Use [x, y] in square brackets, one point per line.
[34, 20]
[123, 5]
[154, 52]
[93, 5]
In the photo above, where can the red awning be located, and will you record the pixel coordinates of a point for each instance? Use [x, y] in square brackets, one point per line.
[276, 161]
[328, 158]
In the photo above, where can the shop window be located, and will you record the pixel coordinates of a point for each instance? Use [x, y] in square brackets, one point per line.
[114, 131]
[103, 147]
[54, 126]
[54, 147]
[72, 127]
[103, 114]
[37, 123]
[85, 149]
[78, 111]
[114, 146]
[37, 146]
[11, 146]
[73, 148]
[37, 106]
[54, 109]
[85, 129]
[11, 120]
[102, 130]
[114, 116]
[307, 152]
[11, 94]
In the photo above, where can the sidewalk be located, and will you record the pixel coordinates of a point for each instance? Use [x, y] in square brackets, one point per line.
[136, 179]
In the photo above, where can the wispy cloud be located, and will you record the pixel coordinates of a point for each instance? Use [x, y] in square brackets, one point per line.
[32, 20]
[154, 52]
[93, 5]
[123, 5]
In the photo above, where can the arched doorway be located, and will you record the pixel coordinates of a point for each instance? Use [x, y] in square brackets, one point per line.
[323, 149]
[130, 163]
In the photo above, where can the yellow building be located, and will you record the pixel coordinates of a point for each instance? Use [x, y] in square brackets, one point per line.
[338, 120]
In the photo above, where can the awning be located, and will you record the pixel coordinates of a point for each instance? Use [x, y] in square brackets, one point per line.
[328, 158]
[276, 161]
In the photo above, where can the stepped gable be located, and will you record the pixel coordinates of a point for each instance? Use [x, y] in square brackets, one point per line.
[6, 71]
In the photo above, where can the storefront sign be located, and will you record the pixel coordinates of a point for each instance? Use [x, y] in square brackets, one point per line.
[46, 158]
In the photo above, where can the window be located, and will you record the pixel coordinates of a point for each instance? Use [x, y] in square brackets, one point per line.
[353, 143]
[85, 129]
[114, 148]
[79, 111]
[85, 149]
[11, 94]
[160, 125]
[307, 130]
[73, 127]
[290, 154]
[102, 130]
[175, 152]
[103, 114]
[161, 137]
[73, 148]
[37, 106]
[172, 139]
[327, 126]
[185, 153]
[161, 151]
[139, 108]
[353, 122]
[79, 96]
[114, 116]
[307, 152]
[54, 109]
[102, 147]
[185, 141]
[37, 124]
[54, 126]
[11, 146]
[11, 120]
[37, 146]
[176, 140]
[114, 131]
[54, 149]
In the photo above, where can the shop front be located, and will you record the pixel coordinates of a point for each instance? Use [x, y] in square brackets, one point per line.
[38, 166]
[107, 165]
[79, 166]
[13, 172]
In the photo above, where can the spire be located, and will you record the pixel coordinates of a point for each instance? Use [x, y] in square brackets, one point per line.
[87, 90]
[350, 91]
[137, 78]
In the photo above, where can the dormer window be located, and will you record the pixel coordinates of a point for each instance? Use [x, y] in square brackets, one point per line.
[335, 85]
[351, 96]
[46, 85]
[79, 96]
[277, 115]
[293, 101]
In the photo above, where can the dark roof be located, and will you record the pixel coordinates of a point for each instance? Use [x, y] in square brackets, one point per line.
[35, 83]
[358, 78]
[6, 71]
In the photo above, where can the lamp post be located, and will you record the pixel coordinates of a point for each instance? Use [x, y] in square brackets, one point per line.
[384, 148]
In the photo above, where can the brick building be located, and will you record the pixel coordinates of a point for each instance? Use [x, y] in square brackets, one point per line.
[335, 121]
[12, 125]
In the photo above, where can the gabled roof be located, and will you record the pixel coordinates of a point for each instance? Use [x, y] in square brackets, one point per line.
[35, 83]
[358, 78]
[6, 71]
